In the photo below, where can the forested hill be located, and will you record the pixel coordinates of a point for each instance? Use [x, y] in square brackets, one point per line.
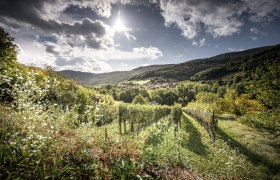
[92, 79]
[216, 67]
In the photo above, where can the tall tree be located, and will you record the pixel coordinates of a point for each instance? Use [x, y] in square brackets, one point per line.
[8, 52]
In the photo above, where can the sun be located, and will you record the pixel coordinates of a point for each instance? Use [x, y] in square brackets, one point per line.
[119, 25]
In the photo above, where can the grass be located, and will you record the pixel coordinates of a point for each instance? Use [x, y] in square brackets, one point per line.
[86, 151]
[190, 152]
[258, 147]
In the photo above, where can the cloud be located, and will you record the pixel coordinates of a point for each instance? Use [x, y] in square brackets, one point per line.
[217, 17]
[85, 64]
[254, 30]
[52, 48]
[234, 49]
[200, 43]
[180, 56]
[262, 10]
[254, 38]
[87, 59]
[149, 53]
[43, 16]
[34, 11]
[129, 36]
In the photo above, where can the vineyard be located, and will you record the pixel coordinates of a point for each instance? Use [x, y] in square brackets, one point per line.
[206, 119]
[56, 128]
[133, 118]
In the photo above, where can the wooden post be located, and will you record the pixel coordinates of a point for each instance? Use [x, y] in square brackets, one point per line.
[120, 125]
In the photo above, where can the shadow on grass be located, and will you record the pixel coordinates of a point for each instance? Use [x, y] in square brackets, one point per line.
[253, 157]
[193, 141]
[154, 139]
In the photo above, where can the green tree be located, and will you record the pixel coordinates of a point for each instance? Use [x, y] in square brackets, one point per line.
[266, 85]
[230, 97]
[139, 99]
[167, 97]
[206, 97]
[129, 94]
[237, 79]
[8, 52]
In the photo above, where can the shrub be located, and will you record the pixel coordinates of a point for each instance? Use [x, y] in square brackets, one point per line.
[264, 121]
[139, 99]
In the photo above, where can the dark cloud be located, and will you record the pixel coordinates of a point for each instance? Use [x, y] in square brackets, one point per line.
[216, 17]
[92, 42]
[36, 13]
[84, 27]
[52, 48]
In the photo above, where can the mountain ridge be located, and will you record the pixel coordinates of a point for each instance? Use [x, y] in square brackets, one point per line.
[224, 64]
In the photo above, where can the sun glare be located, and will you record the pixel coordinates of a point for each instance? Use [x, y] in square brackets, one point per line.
[119, 25]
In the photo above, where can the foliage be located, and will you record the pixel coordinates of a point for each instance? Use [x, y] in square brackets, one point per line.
[139, 99]
[164, 97]
[244, 103]
[176, 115]
[186, 93]
[129, 94]
[266, 84]
[7, 49]
[105, 114]
[206, 119]
[52, 128]
[127, 170]
[211, 73]
[191, 148]
[230, 97]
[264, 121]
[140, 116]
[208, 101]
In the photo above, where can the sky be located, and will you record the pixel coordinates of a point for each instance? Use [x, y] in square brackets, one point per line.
[114, 35]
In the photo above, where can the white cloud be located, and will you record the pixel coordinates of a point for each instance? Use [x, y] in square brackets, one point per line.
[95, 60]
[83, 63]
[180, 56]
[129, 36]
[234, 49]
[200, 43]
[254, 30]
[254, 38]
[148, 53]
[216, 17]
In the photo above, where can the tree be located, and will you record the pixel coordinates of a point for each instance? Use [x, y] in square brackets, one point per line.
[266, 85]
[8, 52]
[129, 94]
[7, 59]
[237, 79]
[139, 99]
[167, 97]
[206, 97]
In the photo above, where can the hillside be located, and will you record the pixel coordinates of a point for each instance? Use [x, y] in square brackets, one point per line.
[92, 79]
[54, 128]
[215, 67]
[218, 66]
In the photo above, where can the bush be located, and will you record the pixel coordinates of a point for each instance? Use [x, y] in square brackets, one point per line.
[264, 121]
[139, 99]
[140, 116]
